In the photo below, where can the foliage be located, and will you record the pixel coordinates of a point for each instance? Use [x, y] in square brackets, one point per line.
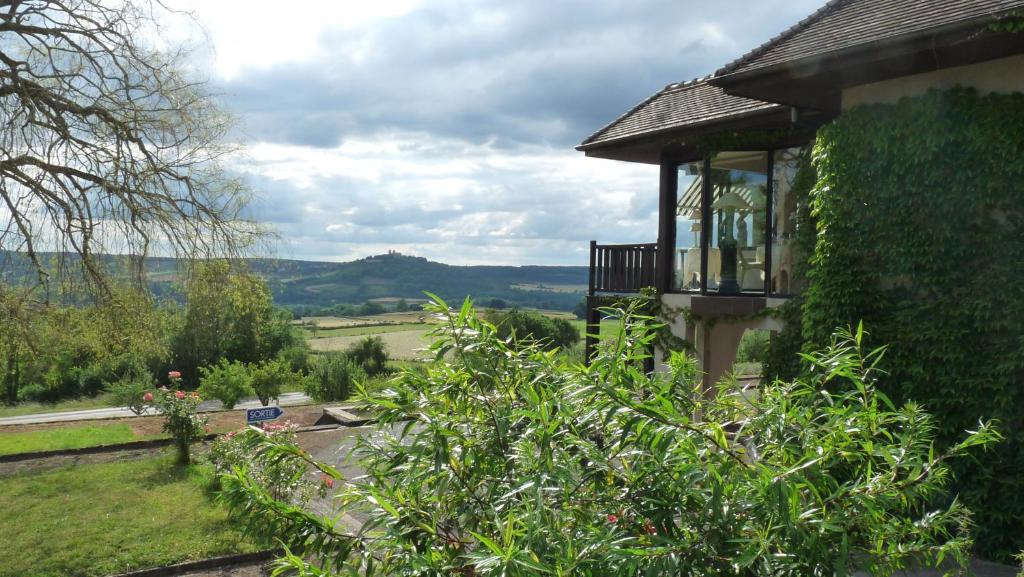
[182, 420]
[95, 520]
[921, 247]
[282, 479]
[782, 360]
[500, 460]
[269, 377]
[371, 355]
[114, 146]
[128, 391]
[53, 352]
[753, 347]
[527, 327]
[332, 377]
[227, 381]
[229, 314]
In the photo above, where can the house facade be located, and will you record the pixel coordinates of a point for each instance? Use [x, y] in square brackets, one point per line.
[731, 146]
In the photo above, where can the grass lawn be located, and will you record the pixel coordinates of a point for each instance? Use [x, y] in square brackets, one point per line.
[65, 438]
[100, 402]
[100, 519]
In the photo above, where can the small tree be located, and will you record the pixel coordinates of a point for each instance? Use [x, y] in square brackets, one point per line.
[269, 377]
[227, 381]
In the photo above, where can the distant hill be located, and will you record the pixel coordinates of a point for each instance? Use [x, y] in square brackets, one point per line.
[297, 283]
[393, 275]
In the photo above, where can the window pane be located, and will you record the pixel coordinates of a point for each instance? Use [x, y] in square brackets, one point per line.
[736, 251]
[784, 221]
[688, 219]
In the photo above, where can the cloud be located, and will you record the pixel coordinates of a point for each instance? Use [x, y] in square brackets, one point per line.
[444, 128]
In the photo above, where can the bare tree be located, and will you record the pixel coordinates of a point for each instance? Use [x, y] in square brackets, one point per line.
[106, 144]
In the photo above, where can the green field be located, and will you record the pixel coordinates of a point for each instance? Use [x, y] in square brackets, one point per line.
[366, 330]
[102, 519]
[67, 438]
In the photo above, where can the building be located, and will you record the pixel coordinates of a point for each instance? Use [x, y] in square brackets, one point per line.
[730, 145]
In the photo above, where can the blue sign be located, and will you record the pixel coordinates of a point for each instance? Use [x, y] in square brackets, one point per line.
[262, 414]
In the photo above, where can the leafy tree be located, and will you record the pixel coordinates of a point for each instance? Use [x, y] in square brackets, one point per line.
[500, 460]
[401, 306]
[497, 304]
[580, 310]
[229, 314]
[371, 308]
[227, 381]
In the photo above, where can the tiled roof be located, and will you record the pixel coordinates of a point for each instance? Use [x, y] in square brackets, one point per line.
[682, 105]
[842, 24]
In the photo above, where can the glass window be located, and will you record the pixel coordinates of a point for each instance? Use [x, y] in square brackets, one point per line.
[736, 245]
[688, 224]
[785, 209]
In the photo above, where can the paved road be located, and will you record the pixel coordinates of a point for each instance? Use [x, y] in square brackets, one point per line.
[286, 399]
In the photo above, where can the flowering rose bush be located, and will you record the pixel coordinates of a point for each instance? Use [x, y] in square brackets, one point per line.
[284, 480]
[181, 417]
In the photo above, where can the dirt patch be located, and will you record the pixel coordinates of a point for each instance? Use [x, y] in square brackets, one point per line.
[152, 426]
[48, 463]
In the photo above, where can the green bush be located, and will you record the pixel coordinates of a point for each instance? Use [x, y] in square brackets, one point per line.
[332, 377]
[502, 460]
[753, 347]
[269, 377]
[129, 389]
[371, 354]
[918, 206]
[527, 327]
[227, 381]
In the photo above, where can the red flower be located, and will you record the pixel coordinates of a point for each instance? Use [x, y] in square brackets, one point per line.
[327, 481]
[174, 375]
[179, 394]
[649, 528]
[613, 518]
[147, 397]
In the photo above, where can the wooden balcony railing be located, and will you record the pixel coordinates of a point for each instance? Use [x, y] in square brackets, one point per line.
[621, 268]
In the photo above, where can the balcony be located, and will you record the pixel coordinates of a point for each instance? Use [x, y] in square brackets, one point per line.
[621, 268]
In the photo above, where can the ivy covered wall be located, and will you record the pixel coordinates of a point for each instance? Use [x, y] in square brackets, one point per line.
[920, 233]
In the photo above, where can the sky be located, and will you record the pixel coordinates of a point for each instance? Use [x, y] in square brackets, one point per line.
[446, 128]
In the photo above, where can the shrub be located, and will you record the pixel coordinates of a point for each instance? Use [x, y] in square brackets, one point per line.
[181, 418]
[501, 460]
[269, 377]
[283, 479]
[332, 377]
[371, 354]
[226, 381]
[129, 390]
[528, 327]
[753, 347]
[296, 356]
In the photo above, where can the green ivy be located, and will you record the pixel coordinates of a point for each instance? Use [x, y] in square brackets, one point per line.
[920, 234]
[783, 360]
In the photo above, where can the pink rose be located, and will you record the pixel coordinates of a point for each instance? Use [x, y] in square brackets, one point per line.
[174, 375]
[327, 481]
[147, 397]
[613, 518]
[179, 394]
